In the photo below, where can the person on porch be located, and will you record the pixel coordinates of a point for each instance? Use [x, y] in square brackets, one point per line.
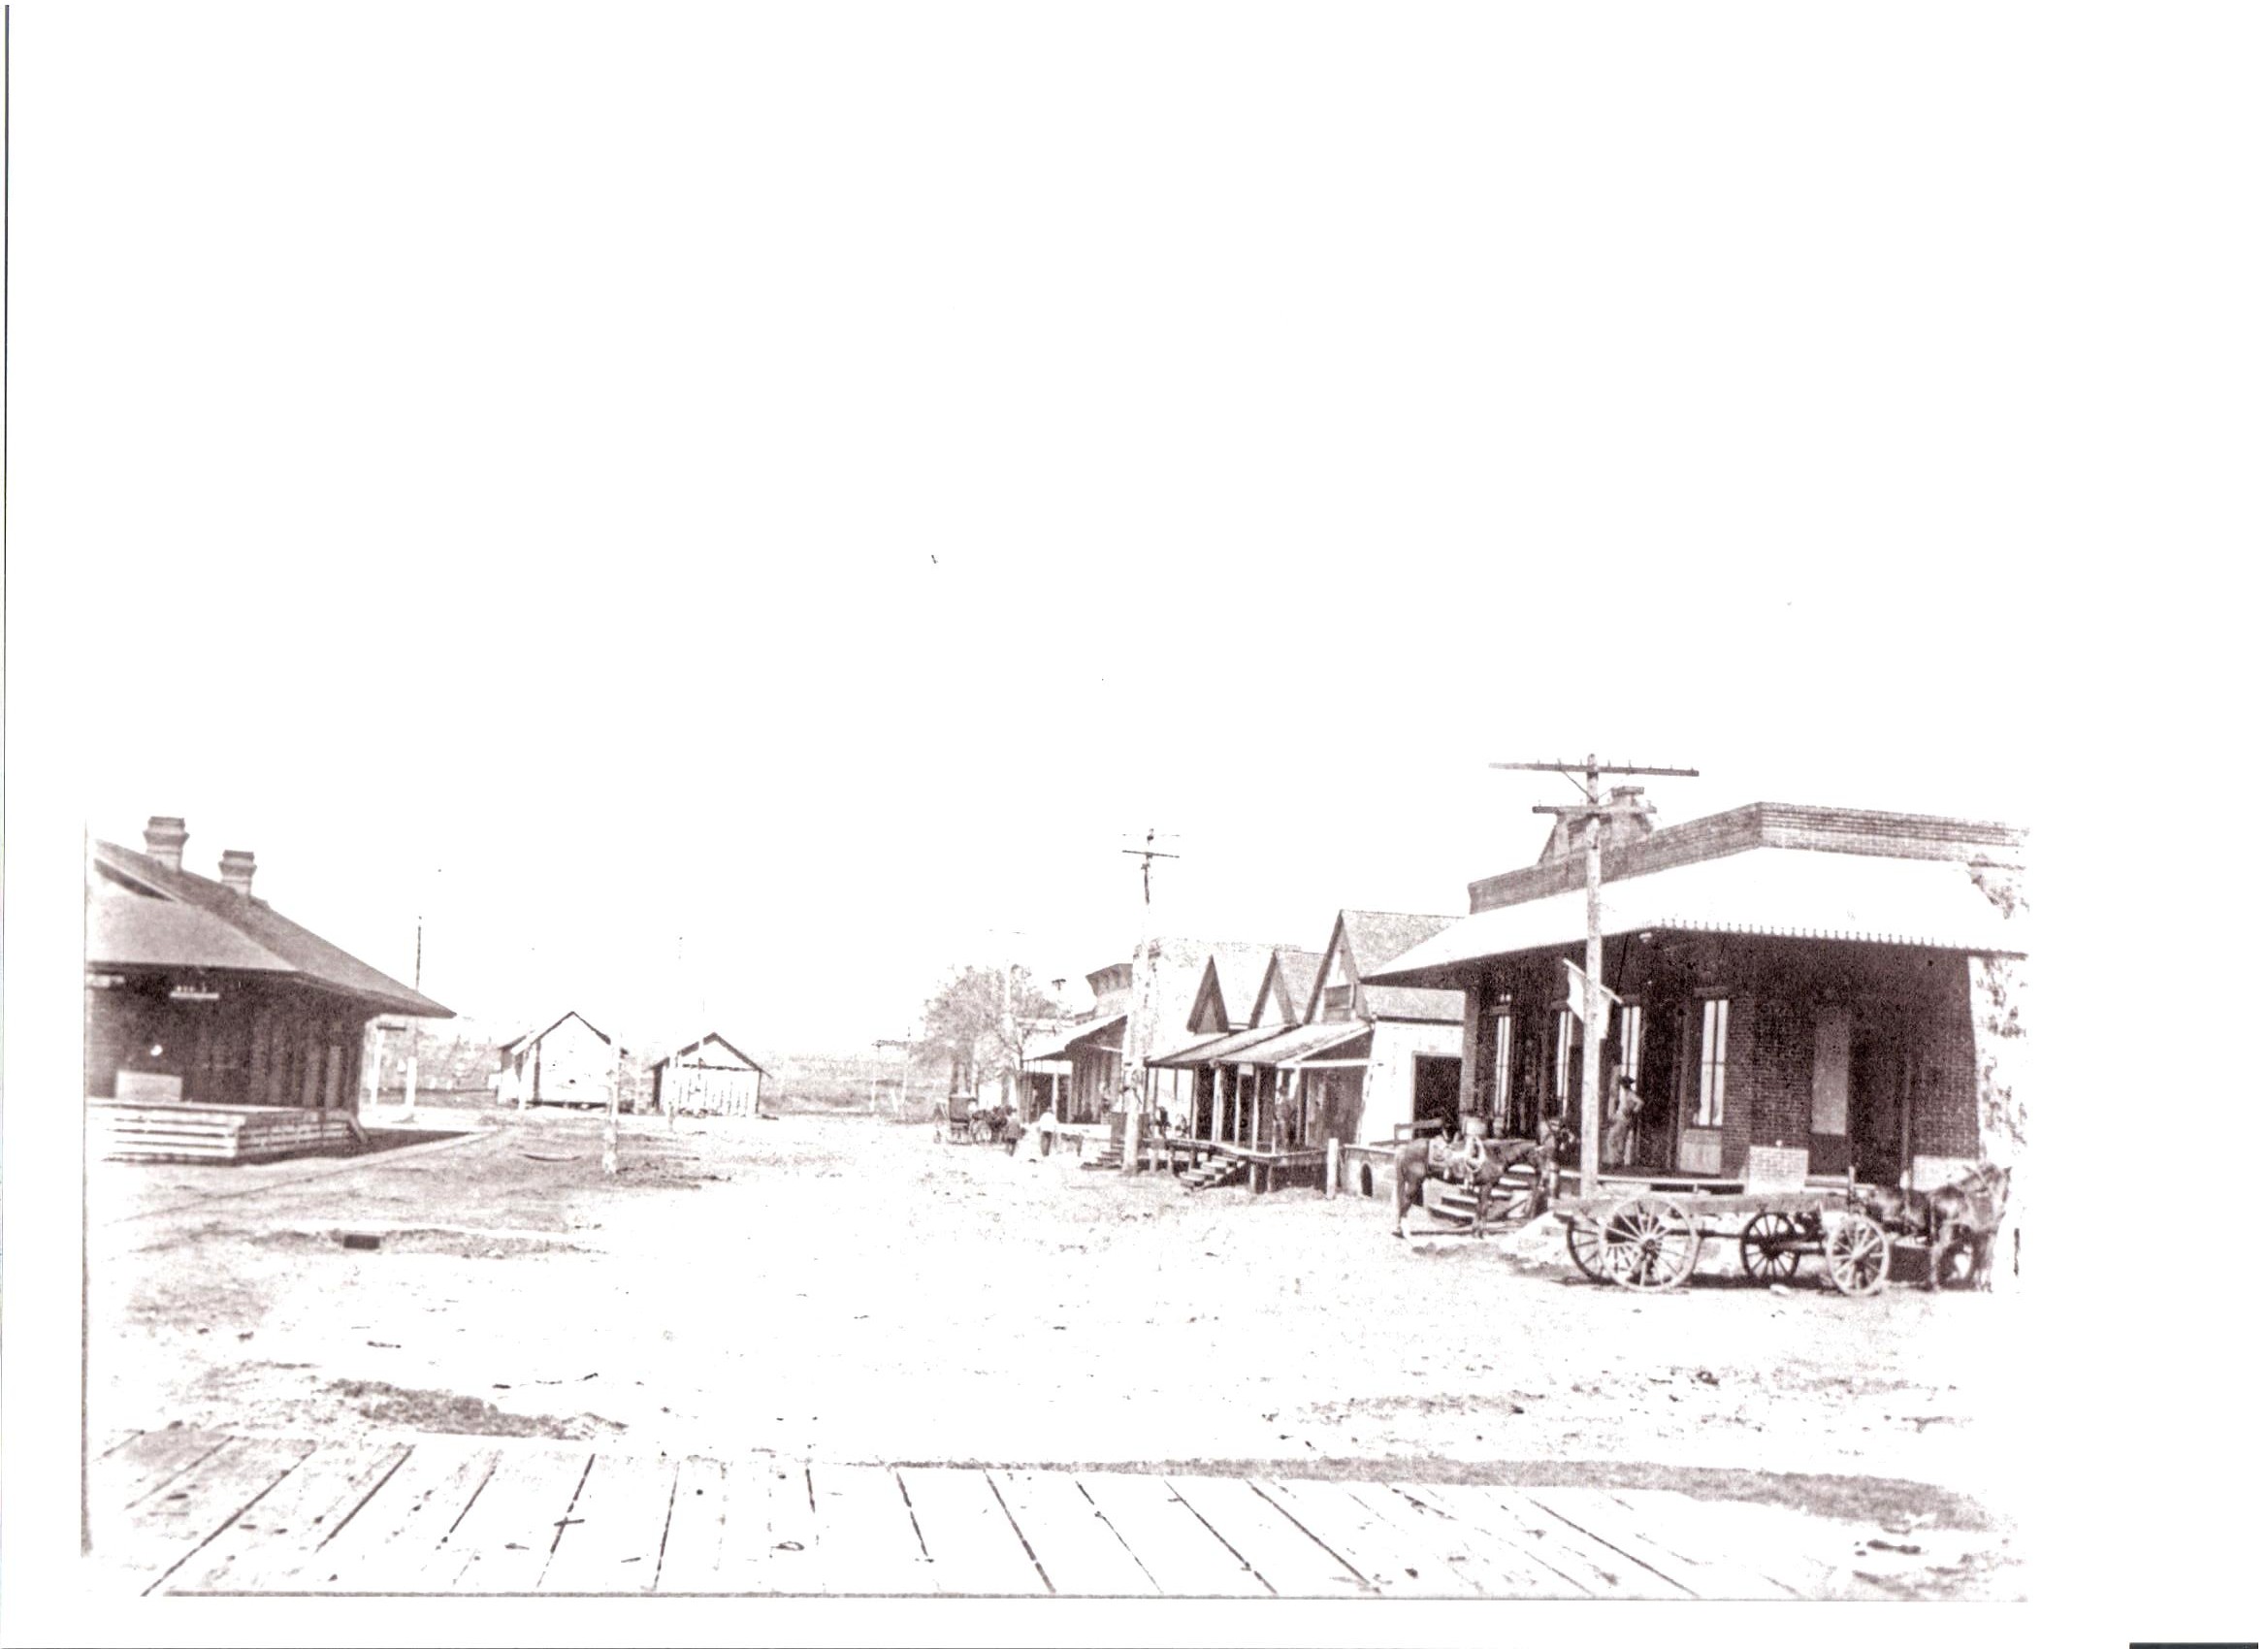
[1622, 1121]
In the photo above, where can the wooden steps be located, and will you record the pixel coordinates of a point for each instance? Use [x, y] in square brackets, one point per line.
[1450, 1201]
[212, 1132]
[1220, 1171]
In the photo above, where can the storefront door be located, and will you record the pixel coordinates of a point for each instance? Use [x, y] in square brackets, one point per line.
[1881, 1084]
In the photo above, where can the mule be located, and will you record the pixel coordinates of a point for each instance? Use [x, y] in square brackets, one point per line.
[1968, 1214]
[1964, 1214]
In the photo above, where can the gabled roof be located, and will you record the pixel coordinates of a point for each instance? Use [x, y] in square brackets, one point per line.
[533, 1036]
[231, 932]
[1231, 980]
[1180, 967]
[1375, 938]
[1290, 978]
[697, 1045]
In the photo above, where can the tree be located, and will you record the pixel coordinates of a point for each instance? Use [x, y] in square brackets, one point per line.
[974, 1029]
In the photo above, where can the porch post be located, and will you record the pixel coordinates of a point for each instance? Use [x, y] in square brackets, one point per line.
[1468, 1065]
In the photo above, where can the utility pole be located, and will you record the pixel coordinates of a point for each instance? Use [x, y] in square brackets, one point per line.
[1135, 1059]
[1011, 1034]
[1592, 812]
[609, 1156]
[410, 1026]
[410, 1029]
[675, 1073]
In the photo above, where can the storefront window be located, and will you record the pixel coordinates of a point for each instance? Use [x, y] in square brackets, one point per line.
[1709, 1108]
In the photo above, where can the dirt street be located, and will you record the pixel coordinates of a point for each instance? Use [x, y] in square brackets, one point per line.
[842, 1288]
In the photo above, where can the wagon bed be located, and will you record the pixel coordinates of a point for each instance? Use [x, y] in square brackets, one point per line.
[1649, 1235]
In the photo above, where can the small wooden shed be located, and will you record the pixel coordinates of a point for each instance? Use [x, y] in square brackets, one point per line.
[709, 1078]
[570, 1061]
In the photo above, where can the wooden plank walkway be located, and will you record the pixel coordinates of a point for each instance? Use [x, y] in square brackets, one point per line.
[190, 1512]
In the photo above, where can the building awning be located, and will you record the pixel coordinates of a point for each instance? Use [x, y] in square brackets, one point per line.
[1184, 1059]
[1080, 1037]
[1217, 1050]
[1351, 1050]
[1288, 1047]
[1784, 893]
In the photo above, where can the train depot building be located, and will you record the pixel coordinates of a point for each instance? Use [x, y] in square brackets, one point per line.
[217, 1028]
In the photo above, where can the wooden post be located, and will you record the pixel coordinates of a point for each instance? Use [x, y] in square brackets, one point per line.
[1142, 1009]
[410, 1078]
[609, 1158]
[1591, 813]
[1331, 1166]
[1137, 1038]
[1593, 960]
[1469, 1047]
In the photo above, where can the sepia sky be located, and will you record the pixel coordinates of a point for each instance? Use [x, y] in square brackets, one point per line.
[797, 490]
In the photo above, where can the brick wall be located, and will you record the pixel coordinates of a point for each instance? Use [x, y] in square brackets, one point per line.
[1769, 1077]
[1764, 823]
[1914, 1002]
[1945, 1050]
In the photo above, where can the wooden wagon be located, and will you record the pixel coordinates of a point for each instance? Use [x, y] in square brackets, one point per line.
[1651, 1238]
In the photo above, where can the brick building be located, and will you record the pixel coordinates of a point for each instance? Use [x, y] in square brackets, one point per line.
[1833, 981]
[217, 1028]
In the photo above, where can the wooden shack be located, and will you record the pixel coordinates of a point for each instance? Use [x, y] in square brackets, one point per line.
[1328, 1056]
[708, 1077]
[569, 1061]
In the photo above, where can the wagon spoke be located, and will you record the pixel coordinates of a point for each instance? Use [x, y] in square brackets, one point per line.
[1649, 1242]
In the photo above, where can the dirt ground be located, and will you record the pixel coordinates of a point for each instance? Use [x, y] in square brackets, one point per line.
[841, 1288]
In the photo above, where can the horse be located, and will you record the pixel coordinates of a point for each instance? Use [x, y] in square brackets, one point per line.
[1475, 1164]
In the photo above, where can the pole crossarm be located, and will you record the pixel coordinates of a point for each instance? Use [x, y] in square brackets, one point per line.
[1596, 767]
[1594, 813]
[1147, 852]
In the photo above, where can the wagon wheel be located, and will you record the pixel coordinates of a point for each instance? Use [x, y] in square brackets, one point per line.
[1649, 1242]
[1858, 1255]
[1772, 1247]
[1584, 1235]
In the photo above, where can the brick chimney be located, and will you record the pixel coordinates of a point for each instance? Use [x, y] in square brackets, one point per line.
[236, 871]
[163, 838]
[1567, 835]
[1619, 832]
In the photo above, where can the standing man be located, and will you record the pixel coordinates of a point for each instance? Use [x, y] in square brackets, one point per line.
[1622, 1121]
